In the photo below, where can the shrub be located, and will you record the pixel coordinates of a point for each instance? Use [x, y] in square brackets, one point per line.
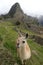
[1, 38]
[17, 23]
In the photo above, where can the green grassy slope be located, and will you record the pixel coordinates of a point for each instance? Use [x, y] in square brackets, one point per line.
[8, 38]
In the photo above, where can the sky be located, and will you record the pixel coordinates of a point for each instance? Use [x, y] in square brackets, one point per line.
[30, 7]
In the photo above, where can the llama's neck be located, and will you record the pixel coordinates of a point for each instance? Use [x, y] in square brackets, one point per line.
[23, 48]
[25, 52]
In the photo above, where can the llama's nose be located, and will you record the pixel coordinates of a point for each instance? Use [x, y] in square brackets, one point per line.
[17, 45]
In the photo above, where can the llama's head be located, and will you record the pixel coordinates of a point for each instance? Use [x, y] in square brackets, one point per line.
[21, 41]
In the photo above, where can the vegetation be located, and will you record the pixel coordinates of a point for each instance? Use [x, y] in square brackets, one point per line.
[8, 36]
[17, 23]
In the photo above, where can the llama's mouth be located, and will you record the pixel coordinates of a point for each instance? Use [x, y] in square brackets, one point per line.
[18, 46]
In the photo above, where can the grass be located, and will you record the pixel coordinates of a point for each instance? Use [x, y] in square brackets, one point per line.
[9, 36]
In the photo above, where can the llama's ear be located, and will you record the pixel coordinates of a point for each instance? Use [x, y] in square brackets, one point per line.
[19, 33]
[26, 35]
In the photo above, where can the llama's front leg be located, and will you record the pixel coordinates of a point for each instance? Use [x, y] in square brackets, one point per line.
[23, 62]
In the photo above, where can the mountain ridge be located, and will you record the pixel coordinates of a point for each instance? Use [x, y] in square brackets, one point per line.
[17, 13]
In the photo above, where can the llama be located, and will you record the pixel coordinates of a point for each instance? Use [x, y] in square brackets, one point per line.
[23, 49]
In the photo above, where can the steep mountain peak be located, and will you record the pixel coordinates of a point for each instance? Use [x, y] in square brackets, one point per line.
[17, 5]
[15, 8]
[17, 13]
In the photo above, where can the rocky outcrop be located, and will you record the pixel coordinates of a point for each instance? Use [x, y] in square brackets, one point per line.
[37, 39]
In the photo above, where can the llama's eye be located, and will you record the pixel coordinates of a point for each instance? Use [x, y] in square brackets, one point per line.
[23, 41]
